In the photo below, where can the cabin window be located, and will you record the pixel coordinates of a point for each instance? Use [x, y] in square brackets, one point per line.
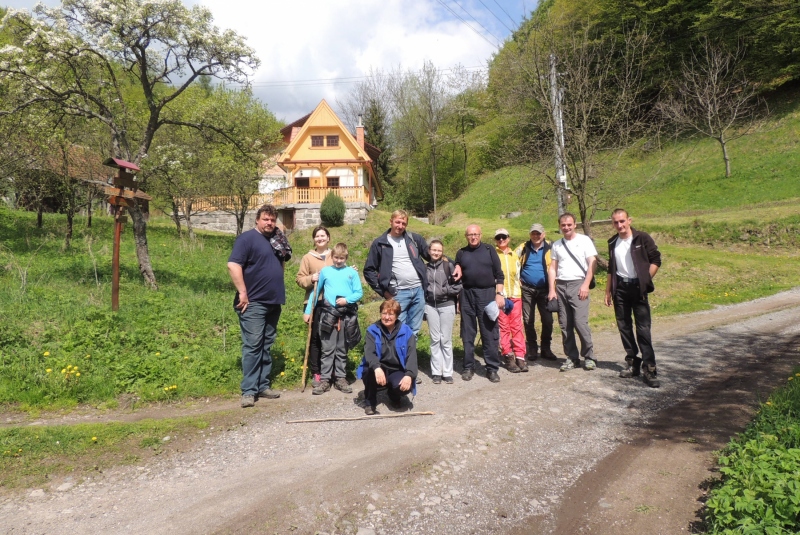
[333, 181]
[301, 182]
[333, 141]
[316, 141]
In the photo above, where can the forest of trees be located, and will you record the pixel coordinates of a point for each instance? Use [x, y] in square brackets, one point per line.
[139, 80]
[629, 74]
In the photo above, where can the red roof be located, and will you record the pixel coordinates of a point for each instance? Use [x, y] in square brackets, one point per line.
[120, 164]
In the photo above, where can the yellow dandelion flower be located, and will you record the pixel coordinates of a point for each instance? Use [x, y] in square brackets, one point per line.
[87, 357]
[797, 375]
[166, 388]
[48, 370]
[769, 403]
[94, 438]
[185, 358]
[78, 374]
[158, 353]
[282, 374]
[46, 353]
[20, 449]
[63, 370]
[74, 368]
[791, 378]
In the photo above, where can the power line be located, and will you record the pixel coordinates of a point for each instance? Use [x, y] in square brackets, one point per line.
[476, 20]
[506, 12]
[495, 16]
[337, 80]
[459, 17]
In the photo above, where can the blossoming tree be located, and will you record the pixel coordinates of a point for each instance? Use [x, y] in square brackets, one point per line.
[122, 63]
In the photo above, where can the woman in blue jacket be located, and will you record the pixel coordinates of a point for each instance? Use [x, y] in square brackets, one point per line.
[390, 358]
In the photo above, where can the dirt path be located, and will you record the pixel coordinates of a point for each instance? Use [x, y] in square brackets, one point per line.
[542, 452]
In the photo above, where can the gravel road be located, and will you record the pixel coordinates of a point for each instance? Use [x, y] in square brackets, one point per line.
[495, 458]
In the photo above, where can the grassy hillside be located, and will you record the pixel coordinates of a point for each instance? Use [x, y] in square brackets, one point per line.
[685, 177]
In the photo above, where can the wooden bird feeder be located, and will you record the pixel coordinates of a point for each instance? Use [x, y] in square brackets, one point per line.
[121, 194]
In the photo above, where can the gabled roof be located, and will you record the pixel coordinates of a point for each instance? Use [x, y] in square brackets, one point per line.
[322, 116]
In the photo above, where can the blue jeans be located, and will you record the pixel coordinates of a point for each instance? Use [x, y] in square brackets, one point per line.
[259, 324]
[412, 307]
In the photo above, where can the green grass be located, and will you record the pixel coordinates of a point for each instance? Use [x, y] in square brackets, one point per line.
[31, 456]
[183, 340]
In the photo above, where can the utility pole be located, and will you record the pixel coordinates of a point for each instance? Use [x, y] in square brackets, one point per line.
[558, 134]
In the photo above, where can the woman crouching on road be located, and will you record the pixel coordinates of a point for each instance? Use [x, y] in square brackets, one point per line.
[390, 359]
[310, 266]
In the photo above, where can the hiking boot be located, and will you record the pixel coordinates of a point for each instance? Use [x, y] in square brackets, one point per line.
[315, 379]
[324, 386]
[342, 385]
[269, 393]
[448, 379]
[511, 364]
[437, 379]
[493, 377]
[467, 374]
[248, 401]
[569, 365]
[521, 364]
[649, 377]
[531, 357]
[369, 410]
[547, 354]
[589, 364]
[633, 368]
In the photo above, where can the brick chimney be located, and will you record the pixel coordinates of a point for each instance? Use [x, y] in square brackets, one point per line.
[360, 133]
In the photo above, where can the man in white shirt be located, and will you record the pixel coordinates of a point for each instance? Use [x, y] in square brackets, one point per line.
[633, 260]
[569, 276]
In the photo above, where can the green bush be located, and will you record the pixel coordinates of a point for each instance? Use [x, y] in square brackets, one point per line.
[331, 211]
[760, 489]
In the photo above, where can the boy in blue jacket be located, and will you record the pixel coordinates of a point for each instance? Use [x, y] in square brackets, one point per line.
[340, 286]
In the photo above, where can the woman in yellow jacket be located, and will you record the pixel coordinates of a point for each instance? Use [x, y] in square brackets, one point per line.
[512, 334]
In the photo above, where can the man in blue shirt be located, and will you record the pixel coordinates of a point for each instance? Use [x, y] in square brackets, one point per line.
[257, 273]
[534, 260]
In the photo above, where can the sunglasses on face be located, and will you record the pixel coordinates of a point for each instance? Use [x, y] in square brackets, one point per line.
[501, 237]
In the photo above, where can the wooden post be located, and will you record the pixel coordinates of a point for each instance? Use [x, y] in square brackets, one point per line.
[115, 259]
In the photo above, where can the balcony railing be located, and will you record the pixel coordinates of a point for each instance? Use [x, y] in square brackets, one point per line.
[281, 197]
[228, 202]
[296, 195]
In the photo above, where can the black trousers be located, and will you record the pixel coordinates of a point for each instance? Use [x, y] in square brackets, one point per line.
[392, 386]
[628, 301]
[473, 316]
[533, 299]
[315, 345]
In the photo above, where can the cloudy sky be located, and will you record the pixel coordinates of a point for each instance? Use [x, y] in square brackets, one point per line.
[315, 49]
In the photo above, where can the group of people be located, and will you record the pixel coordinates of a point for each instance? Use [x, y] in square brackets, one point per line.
[497, 291]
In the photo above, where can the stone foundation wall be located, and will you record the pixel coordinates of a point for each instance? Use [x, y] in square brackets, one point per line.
[305, 217]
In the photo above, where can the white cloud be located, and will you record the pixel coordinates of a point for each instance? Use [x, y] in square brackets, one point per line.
[320, 39]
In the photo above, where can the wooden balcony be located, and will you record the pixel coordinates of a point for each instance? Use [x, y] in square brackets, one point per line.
[228, 202]
[295, 195]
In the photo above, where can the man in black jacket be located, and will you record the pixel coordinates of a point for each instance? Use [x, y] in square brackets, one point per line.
[395, 270]
[478, 268]
[633, 260]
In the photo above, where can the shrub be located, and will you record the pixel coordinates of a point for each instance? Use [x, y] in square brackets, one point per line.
[760, 488]
[331, 211]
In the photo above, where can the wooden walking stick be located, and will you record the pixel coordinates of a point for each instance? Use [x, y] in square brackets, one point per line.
[308, 337]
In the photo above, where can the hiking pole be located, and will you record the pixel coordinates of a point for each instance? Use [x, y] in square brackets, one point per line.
[308, 337]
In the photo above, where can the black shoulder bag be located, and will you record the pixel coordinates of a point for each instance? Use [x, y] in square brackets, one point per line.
[592, 284]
